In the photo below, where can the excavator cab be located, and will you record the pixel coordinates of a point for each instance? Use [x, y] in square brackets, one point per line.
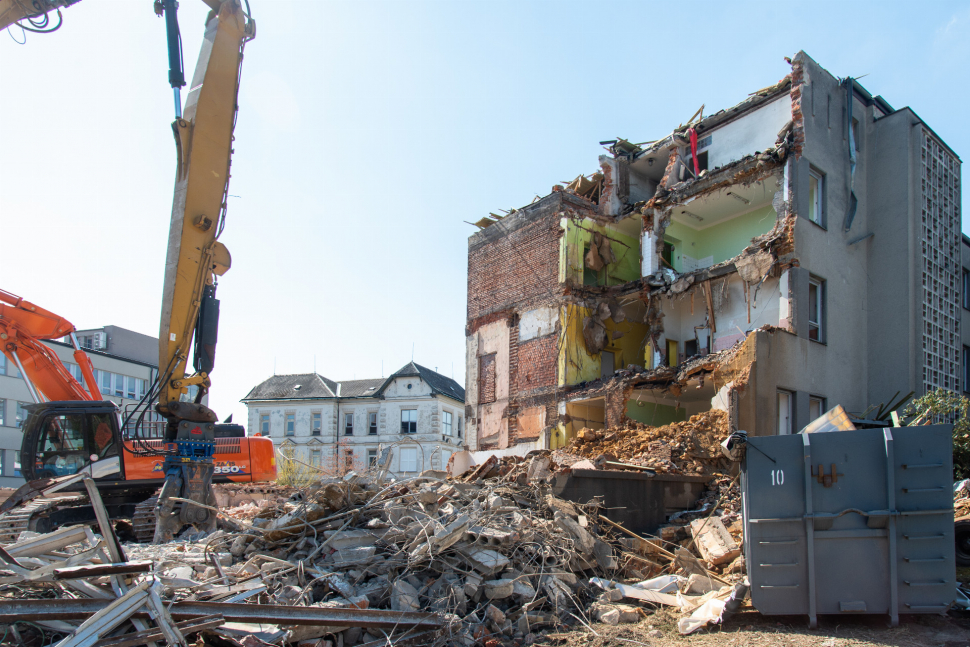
[60, 438]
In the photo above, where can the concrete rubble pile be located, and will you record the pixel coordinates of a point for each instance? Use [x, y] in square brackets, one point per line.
[486, 558]
[690, 447]
[961, 499]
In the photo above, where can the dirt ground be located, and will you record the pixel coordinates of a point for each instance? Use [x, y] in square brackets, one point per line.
[752, 628]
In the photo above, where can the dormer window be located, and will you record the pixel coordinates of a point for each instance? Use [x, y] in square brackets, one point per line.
[297, 387]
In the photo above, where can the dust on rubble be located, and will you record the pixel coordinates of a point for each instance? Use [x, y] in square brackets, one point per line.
[690, 447]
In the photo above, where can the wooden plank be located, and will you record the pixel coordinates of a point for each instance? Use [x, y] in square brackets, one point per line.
[140, 638]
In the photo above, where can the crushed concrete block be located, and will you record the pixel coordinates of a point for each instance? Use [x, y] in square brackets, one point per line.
[452, 533]
[609, 616]
[498, 589]
[404, 597]
[487, 561]
[349, 538]
[714, 542]
[584, 541]
[522, 589]
[354, 555]
[495, 615]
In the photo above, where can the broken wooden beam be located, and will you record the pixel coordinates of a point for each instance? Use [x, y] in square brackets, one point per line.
[97, 570]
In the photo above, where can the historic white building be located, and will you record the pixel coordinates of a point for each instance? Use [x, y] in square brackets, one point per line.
[339, 426]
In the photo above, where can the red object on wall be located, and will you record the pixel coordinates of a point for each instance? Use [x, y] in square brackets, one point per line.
[693, 150]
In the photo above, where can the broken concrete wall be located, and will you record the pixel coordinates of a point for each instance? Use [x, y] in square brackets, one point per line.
[624, 340]
[750, 133]
[597, 253]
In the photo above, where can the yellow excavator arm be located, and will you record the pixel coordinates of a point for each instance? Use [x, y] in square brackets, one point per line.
[203, 138]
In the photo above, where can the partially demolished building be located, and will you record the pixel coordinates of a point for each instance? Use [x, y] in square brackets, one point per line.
[796, 251]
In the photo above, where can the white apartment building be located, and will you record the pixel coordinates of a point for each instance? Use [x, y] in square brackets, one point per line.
[341, 426]
[121, 379]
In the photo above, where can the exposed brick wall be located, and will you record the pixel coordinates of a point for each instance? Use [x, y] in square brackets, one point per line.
[486, 379]
[536, 364]
[515, 263]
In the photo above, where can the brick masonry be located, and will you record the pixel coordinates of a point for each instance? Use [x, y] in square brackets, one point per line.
[536, 364]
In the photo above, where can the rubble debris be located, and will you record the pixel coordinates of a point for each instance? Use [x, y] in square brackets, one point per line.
[489, 554]
[690, 447]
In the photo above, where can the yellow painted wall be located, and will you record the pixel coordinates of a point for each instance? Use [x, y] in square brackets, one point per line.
[576, 365]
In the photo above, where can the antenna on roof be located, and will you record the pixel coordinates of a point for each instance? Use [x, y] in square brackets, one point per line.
[382, 369]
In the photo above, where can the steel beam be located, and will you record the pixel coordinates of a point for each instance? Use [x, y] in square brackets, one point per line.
[61, 609]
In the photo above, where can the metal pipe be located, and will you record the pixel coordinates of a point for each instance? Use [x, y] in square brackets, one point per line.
[67, 609]
[30, 385]
[178, 103]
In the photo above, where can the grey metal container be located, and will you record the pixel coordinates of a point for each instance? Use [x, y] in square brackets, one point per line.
[640, 501]
[850, 522]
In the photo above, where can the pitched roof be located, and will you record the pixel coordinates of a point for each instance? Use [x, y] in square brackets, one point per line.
[358, 388]
[438, 382]
[312, 385]
[290, 387]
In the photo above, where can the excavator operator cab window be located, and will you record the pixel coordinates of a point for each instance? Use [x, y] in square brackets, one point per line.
[68, 442]
[61, 447]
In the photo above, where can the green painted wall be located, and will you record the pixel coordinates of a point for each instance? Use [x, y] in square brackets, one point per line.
[722, 241]
[571, 262]
[656, 415]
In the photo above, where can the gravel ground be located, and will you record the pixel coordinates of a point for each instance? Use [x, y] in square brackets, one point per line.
[752, 628]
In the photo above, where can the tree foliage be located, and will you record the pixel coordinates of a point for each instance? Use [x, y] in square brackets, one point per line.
[938, 404]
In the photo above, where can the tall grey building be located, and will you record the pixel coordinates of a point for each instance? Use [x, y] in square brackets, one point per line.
[799, 250]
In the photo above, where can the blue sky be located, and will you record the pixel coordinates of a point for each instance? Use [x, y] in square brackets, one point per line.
[369, 132]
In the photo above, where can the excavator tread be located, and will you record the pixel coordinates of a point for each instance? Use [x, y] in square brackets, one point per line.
[18, 520]
[143, 522]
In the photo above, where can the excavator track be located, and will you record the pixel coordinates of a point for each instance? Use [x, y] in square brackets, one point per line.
[18, 520]
[143, 523]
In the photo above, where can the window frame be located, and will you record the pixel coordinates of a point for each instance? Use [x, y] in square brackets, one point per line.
[349, 423]
[820, 299]
[447, 419]
[790, 412]
[821, 407]
[316, 423]
[264, 420]
[289, 423]
[966, 289]
[412, 425]
[3, 412]
[371, 458]
[316, 457]
[818, 204]
[400, 462]
[17, 419]
[371, 423]
[966, 369]
[17, 467]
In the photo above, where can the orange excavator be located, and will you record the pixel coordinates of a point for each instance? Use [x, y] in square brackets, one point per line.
[72, 426]
[71, 431]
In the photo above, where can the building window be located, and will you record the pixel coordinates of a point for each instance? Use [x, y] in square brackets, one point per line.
[315, 457]
[3, 463]
[409, 421]
[3, 412]
[816, 197]
[459, 426]
[21, 413]
[966, 374]
[264, 424]
[966, 288]
[785, 400]
[816, 407]
[371, 458]
[105, 382]
[119, 381]
[290, 424]
[3, 358]
[486, 379]
[409, 459]
[349, 458]
[446, 423]
[372, 423]
[317, 423]
[348, 424]
[816, 309]
[16, 464]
